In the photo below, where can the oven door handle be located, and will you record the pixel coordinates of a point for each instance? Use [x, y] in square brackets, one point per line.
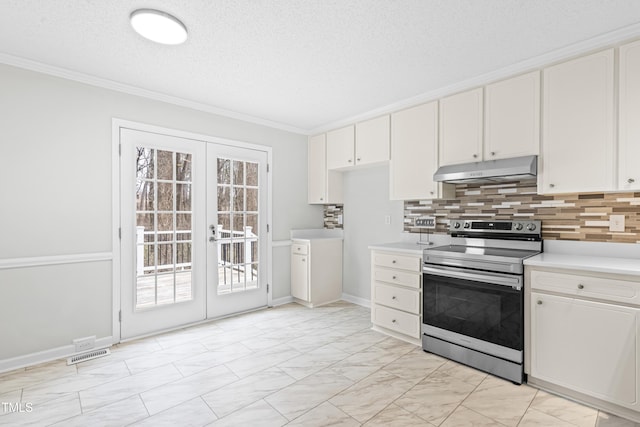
[513, 282]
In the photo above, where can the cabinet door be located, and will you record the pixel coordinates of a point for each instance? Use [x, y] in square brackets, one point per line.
[414, 153]
[585, 346]
[340, 148]
[461, 128]
[629, 133]
[317, 170]
[512, 117]
[299, 277]
[578, 126]
[372, 141]
[324, 186]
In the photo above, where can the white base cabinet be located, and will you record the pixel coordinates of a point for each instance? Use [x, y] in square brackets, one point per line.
[316, 271]
[584, 337]
[396, 294]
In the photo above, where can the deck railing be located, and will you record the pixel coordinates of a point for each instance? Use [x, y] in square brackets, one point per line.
[236, 249]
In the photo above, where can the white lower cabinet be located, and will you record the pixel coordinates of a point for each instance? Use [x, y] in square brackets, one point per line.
[583, 344]
[316, 271]
[396, 294]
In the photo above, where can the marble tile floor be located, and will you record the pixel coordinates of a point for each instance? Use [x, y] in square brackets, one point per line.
[282, 366]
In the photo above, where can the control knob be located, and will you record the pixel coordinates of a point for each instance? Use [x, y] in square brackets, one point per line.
[467, 225]
[518, 226]
[531, 227]
[456, 224]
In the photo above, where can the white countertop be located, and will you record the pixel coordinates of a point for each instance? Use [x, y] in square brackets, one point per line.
[598, 264]
[403, 247]
[316, 233]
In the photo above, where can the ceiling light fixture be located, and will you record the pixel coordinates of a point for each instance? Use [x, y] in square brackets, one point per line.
[158, 26]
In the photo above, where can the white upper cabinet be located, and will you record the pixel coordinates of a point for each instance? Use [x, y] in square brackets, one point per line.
[461, 128]
[324, 186]
[366, 143]
[372, 141]
[629, 116]
[512, 117]
[340, 148]
[578, 126]
[414, 153]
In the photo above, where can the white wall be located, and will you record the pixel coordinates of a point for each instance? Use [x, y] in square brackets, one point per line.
[55, 188]
[366, 203]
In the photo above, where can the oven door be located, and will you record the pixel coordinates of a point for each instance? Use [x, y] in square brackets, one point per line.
[475, 309]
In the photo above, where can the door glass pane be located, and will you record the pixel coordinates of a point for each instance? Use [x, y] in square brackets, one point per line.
[163, 207]
[183, 167]
[238, 172]
[238, 199]
[183, 197]
[252, 174]
[224, 171]
[252, 199]
[224, 198]
[237, 195]
[165, 164]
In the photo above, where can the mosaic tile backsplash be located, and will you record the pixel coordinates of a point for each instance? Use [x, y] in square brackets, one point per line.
[583, 217]
[333, 216]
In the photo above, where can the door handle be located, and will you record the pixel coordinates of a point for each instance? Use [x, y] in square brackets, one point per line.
[213, 237]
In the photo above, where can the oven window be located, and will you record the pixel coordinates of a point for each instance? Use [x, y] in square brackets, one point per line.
[487, 312]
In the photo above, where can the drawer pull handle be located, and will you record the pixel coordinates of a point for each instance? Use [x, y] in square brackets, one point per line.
[393, 321]
[393, 297]
[631, 180]
[393, 262]
[581, 286]
[539, 302]
[394, 277]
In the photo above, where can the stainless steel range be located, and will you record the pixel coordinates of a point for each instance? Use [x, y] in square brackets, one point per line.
[473, 297]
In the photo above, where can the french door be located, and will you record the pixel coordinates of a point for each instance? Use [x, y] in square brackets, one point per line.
[192, 231]
[237, 200]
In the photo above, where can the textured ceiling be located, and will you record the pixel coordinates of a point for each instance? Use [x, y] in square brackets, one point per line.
[303, 64]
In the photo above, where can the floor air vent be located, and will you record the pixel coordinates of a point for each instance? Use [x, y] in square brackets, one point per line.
[93, 354]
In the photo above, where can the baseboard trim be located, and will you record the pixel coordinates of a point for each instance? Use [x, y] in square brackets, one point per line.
[48, 355]
[281, 301]
[356, 300]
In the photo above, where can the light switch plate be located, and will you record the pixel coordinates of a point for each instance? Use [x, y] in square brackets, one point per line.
[616, 222]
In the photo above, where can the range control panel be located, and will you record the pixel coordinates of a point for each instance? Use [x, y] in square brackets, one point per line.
[427, 222]
[471, 227]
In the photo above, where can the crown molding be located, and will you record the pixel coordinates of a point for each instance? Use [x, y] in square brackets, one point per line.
[79, 77]
[602, 41]
[607, 40]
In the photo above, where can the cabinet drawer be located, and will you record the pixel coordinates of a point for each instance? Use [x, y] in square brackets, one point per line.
[411, 280]
[591, 287]
[399, 321]
[398, 298]
[402, 262]
[299, 248]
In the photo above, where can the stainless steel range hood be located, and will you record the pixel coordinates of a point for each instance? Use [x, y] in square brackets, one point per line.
[513, 169]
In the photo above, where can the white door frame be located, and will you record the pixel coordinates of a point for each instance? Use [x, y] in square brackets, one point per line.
[115, 200]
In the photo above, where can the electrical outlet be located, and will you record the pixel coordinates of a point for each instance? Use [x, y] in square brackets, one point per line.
[616, 222]
[84, 344]
[387, 219]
